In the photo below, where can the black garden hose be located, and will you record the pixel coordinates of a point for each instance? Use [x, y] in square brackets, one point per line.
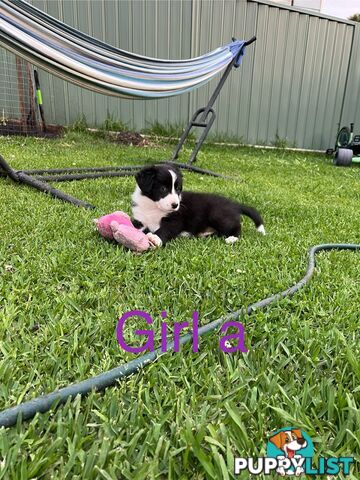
[44, 403]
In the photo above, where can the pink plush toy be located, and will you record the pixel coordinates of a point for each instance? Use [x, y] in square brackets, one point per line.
[117, 226]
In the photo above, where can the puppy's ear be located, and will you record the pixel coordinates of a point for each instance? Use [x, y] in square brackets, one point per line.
[297, 433]
[278, 440]
[145, 179]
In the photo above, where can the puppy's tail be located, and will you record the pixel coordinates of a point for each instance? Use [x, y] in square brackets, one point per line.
[255, 217]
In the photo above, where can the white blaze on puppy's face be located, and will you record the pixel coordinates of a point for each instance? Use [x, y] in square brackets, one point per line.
[292, 443]
[171, 201]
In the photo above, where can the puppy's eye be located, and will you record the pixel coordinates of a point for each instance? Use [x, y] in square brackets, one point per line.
[163, 189]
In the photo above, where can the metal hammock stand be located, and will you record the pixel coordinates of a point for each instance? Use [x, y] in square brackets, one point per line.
[203, 118]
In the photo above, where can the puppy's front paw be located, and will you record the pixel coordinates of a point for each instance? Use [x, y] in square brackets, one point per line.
[154, 240]
[231, 240]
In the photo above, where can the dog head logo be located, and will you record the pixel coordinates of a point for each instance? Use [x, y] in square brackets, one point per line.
[291, 446]
[289, 441]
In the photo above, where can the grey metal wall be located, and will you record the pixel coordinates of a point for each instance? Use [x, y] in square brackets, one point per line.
[154, 28]
[291, 84]
[351, 110]
[297, 82]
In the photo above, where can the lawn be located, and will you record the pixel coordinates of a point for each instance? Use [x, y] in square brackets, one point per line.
[62, 289]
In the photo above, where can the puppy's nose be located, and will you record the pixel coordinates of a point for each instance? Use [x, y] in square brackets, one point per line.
[301, 441]
[174, 205]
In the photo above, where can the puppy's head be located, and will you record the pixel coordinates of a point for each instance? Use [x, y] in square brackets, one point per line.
[162, 184]
[289, 441]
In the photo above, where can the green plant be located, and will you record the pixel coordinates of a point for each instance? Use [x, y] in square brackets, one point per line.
[171, 131]
[279, 142]
[355, 17]
[80, 125]
[110, 124]
[225, 138]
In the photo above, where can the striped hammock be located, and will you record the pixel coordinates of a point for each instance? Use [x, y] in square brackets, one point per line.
[95, 65]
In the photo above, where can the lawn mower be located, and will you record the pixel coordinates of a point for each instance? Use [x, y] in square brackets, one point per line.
[347, 147]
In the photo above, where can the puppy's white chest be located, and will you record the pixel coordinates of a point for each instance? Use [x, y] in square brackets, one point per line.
[149, 217]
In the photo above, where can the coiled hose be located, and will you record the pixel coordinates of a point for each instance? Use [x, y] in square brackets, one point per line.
[44, 403]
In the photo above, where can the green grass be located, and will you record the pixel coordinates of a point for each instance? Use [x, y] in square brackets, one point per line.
[170, 131]
[188, 415]
[110, 124]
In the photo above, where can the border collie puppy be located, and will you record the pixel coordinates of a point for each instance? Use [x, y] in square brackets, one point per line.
[164, 212]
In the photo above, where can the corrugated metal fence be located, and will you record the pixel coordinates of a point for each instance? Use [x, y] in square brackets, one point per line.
[297, 82]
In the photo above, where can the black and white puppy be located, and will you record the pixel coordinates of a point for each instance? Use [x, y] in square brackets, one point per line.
[164, 212]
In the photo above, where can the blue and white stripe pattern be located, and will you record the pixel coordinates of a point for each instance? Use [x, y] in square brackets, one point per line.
[90, 63]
